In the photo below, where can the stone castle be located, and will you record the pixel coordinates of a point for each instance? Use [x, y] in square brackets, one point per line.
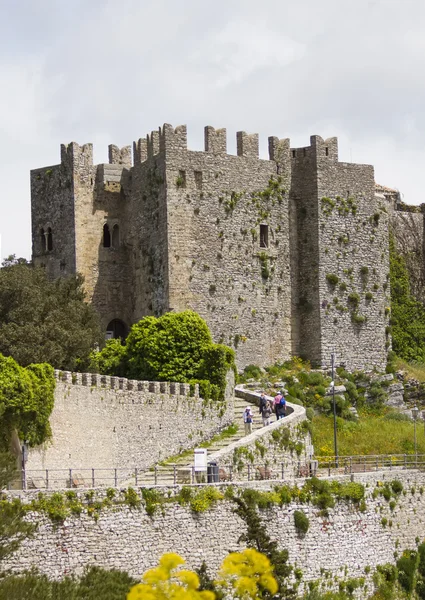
[282, 256]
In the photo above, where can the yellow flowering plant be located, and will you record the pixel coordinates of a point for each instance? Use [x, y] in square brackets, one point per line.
[168, 582]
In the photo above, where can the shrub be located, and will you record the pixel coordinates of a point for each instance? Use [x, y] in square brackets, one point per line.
[309, 413]
[396, 486]
[353, 299]
[301, 522]
[332, 279]
[252, 372]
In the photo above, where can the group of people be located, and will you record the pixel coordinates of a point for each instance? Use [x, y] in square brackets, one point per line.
[267, 408]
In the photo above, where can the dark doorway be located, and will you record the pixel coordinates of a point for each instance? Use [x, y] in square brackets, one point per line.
[116, 329]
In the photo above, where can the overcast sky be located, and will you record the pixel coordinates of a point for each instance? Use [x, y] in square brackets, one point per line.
[110, 71]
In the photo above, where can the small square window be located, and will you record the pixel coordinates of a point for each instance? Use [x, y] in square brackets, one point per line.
[264, 236]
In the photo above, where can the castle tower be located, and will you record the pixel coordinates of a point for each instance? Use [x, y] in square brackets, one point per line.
[272, 253]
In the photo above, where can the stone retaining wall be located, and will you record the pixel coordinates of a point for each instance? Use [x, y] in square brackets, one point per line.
[130, 540]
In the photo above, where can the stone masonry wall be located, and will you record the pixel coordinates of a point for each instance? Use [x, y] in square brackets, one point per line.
[107, 422]
[130, 540]
[354, 246]
[217, 206]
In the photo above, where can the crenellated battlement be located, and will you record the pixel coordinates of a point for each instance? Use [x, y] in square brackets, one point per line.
[119, 156]
[122, 383]
[75, 156]
[247, 144]
[215, 140]
[318, 148]
[170, 140]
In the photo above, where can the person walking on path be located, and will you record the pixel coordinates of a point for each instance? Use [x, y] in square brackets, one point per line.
[263, 400]
[266, 412]
[282, 405]
[276, 405]
[247, 419]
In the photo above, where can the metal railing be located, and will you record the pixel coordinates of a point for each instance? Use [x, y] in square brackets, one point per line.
[172, 474]
[362, 464]
[175, 474]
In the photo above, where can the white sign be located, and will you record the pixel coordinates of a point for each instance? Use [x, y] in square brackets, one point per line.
[200, 459]
[309, 450]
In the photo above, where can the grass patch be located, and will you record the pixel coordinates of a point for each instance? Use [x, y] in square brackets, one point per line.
[372, 434]
[415, 370]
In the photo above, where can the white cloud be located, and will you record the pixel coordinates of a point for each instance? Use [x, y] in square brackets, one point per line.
[107, 73]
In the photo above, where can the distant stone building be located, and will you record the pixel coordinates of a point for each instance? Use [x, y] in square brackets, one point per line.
[282, 256]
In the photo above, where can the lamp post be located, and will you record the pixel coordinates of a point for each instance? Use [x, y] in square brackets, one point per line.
[334, 407]
[415, 413]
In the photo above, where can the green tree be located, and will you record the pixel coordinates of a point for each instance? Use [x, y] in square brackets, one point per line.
[257, 537]
[43, 320]
[168, 348]
[13, 527]
[407, 313]
[26, 401]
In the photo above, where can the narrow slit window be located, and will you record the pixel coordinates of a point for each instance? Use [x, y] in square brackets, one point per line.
[198, 180]
[115, 236]
[181, 179]
[43, 240]
[327, 151]
[106, 236]
[49, 239]
[264, 236]
[293, 153]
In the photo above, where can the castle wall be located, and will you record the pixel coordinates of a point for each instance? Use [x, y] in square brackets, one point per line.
[128, 539]
[216, 205]
[351, 225]
[146, 233]
[306, 249]
[107, 422]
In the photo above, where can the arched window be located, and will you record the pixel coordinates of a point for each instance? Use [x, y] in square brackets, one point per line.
[106, 236]
[43, 240]
[115, 236]
[116, 329]
[49, 239]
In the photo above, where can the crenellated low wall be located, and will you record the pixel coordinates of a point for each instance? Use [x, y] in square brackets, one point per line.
[100, 421]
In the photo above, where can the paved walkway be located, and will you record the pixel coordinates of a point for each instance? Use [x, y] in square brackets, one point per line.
[165, 474]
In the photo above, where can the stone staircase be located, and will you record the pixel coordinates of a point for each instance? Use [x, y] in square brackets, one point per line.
[180, 471]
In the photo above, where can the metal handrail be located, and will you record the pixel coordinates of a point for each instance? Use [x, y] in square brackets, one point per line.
[175, 474]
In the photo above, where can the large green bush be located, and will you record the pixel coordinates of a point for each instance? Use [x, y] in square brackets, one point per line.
[173, 347]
